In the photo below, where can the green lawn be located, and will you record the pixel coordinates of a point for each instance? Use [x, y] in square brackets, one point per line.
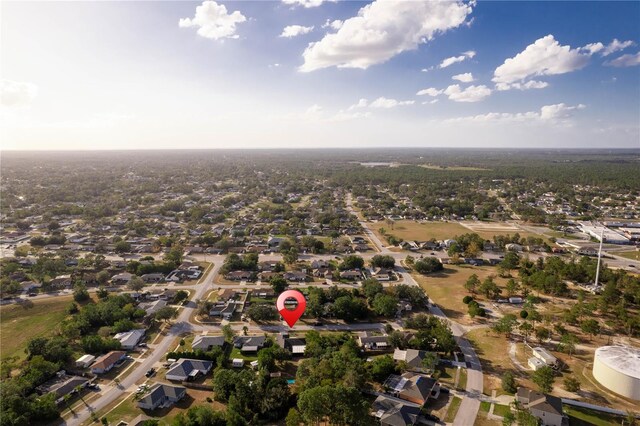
[453, 409]
[501, 410]
[235, 353]
[633, 255]
[19, 324]
[584, 417]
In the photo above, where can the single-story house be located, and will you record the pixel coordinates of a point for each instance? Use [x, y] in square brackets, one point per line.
[162, 395]
[152, 307]
[372, 342]
[226, 294]
[412, 357]
[106, 362]
[152, 278]
[206, 343]
[62, 385]
[297, 276]
[224, 310]
[382, 274]
[122, 278]
[249, 343]
[413, 387]
[130, 339]
[547, 408]
[352, 275]
[61, 281]
[295, 345]
[391, 412]
[185, 369]
[239, 275]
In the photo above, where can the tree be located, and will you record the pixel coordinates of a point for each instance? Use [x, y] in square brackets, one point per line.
[293, 418]
[228, 333]
[103, 277]
[590, 326]
[472, 283]
[543, 334]
[278, 284]
[122, 247]
[102, 293]
[512, 287]
[568, 344]
[381, 367]
[544, 378]
[383, 261]
[571, 384]
[511, 261]
[351, 262]
[135, 284]
[290, 256]
[505, 324]
[489, 288]
[224, 383]
[80, 293]
[430, 361]
[525, 328]
[262, 312]
[509, 382]
[428, 265]
[165, 314]
[371, 287]
[385, 305]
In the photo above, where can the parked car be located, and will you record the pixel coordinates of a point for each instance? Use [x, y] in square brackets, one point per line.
[150, 372]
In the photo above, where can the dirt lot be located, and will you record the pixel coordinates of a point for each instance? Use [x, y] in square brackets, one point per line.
[411, 230]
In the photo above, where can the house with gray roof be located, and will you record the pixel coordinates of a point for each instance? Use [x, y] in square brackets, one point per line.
[249, 343]
[547, 408]
[207, 343]
[162, 395]
[412, 357]
[188, 369]
[129, 339]
[392, 412]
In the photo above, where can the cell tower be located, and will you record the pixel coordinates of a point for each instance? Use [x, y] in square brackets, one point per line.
[599, 256]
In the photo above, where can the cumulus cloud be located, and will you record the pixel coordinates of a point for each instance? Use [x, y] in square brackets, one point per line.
[467, 77]
[213, 21]
[544, 57]
[628, 60]
[305, 3]
[455, 59]
[430, 91]
[592, 48]
[336, 24]
[381, 30]
[16, 93]
[468, 94]
[295, 30]
[556, 113]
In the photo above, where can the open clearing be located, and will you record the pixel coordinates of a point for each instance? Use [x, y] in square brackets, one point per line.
[412, 230]
[446, 288]
[488, 230]
[21, 323]
[633, 255]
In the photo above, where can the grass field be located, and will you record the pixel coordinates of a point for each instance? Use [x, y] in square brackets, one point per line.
[633, 255]
[411, 230]
[453, 409]
[447, 288]
[19, 324]
[584, 417]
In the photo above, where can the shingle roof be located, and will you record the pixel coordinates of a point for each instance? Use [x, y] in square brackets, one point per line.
[159, 391]
[184, 367]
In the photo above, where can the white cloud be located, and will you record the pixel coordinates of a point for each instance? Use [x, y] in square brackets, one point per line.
[213, 21]
[615, 46]
[455, 59]
[336, 24]
[544, 57]
[381, 30]
[17, 93]
[592, 48]
[628, 60]
[531, 84]
[380, 102]
[383, 102]
[467, 77]
[431, 91]
[432, 101]
[295, 30]
[557, 113]
[468, 94]
[304, 3]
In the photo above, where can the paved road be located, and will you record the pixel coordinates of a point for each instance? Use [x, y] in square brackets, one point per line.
[373, 237]
[159, 350]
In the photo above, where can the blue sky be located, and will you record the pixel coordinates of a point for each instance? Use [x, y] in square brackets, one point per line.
[118, 75]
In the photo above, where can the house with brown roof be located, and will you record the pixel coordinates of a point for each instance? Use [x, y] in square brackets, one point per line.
[413, 387]
[106, 362]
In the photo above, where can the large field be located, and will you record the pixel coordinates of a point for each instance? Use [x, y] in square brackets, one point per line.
[447, 288]
[20, 323]
[412, 230]
[633, 255]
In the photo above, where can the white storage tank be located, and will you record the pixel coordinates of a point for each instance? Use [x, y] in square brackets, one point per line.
[618, 369]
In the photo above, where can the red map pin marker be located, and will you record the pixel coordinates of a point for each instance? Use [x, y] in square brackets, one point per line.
[291, 316]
